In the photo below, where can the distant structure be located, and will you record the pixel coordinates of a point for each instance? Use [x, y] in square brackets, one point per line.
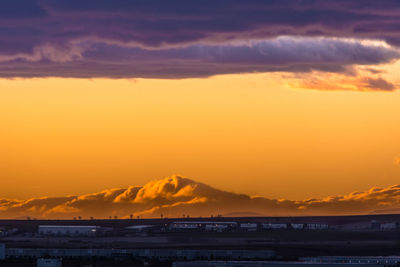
[186, 225]
[274, 226]
[269, 264]
[140, 228]
[173, 253]
[49, 262]
[297, 226]
[220, 226]
[382, 261]
[2, 251]
[249, 227]
[317, 226]
[388, 226]
[67, 230]
[3, 232]
[214, 226]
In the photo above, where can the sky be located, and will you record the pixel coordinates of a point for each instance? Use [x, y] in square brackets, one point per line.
[293, 105]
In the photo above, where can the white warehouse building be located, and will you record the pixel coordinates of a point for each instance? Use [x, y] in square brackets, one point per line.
[200, 225]
[68, 230]
[317, 226]
[388, 226]
[274, 226]
[185, 225]
[249, 227]
[49, 262]
[297, 226]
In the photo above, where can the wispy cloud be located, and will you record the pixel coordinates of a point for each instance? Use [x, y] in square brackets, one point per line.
[357, 81]
[175, 196]
[379, 84]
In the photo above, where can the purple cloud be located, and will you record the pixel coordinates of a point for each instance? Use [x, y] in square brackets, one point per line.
[179, 38]
[98, 59]
[379, 84]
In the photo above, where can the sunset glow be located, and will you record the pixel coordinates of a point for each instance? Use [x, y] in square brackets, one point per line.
[272, 108]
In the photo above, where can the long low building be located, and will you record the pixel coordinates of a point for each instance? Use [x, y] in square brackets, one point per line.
[389, 226]
[269, 264]
[249, 227]
[317, 226]
[44, 262]
[187, 254]
[274, 226]
[68, 230]
[383, 260]
[200, 225]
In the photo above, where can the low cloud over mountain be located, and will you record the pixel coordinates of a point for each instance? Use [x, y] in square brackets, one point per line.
[175, 196]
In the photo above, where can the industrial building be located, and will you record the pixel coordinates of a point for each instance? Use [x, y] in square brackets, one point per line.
[42, 262]
[204, 226]
[274, 226]
[297, 226]
[186, 225]
[140, 228]
[388, 226]
[3, 232]
[268, 264]
[317, 226]
[382, 260]
[249, 227]
[68, 230]
[188, 254]
[220, 226]
[216, 227]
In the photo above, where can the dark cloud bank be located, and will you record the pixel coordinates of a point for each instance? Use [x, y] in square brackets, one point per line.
[178, 38]
[175, 196]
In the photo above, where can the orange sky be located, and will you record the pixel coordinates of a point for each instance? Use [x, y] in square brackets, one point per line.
[249, 133]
